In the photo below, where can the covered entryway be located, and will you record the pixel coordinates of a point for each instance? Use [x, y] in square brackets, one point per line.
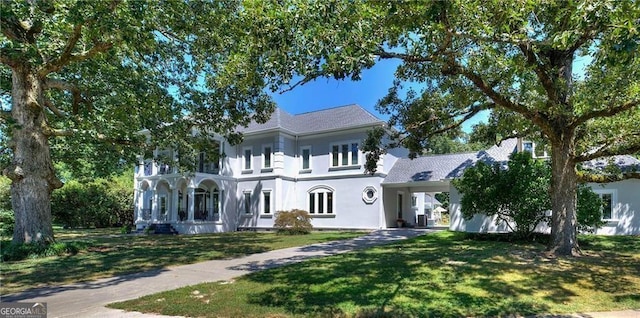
[405, 204]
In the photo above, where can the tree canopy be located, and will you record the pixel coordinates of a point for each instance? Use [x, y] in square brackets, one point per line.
[565, 73]
[81, 79]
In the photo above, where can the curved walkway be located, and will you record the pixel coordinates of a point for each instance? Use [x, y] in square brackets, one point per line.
[88, 299]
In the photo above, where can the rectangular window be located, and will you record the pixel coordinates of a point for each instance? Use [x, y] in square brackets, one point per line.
[320, 202]
[247, 202]
[607, 206]
[329, 202]
[346, 154]
[312, 203]
[247, 158]
[354, 153]
[266, 202]
[306, 158]
[266, 152]
[335, 154]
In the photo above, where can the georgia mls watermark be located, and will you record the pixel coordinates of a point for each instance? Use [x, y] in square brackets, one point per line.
[23, 310]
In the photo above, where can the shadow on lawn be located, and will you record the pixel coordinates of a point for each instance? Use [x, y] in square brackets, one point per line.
[126, 255]
[436, 278]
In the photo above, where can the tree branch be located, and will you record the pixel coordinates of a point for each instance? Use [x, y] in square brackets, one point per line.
[63, 60]
[612, 147]
[606, 112]
[545, 80]
[402, 56]
[305, 80]
[66, 86]
[472, 112]
[16, 30]
[5, 59]
[535, 116]
[55, 109]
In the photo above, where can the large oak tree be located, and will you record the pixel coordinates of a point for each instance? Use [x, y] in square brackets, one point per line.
[563, 72]
[86, 76]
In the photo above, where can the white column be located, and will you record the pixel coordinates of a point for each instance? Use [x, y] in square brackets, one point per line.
[137, 208]
[174, 205]
[154, 206]
[191, 193]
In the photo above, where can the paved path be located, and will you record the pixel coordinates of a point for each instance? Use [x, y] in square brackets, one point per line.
[88, 299]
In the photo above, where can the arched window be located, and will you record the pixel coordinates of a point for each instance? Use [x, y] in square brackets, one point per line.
[321, 200]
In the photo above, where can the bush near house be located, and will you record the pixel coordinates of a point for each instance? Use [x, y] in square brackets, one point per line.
[293, 222]
[102, 202]
[518, 195]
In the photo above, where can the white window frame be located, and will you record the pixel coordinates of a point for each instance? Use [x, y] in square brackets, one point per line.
[302, 149]
[614, 202]
[262, 202]
[264, 157]
[326, 207]
[246, 206]
[244, 159]
[349, 144]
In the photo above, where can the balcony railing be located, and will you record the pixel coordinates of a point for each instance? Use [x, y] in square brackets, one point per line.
[209, 168]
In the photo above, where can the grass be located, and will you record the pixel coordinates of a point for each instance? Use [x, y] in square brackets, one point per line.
[437, 275]
[110, 254]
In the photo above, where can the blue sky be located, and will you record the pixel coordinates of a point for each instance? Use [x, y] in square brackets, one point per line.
[326, 93]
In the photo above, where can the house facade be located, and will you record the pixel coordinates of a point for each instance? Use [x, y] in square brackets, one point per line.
[313, 162]
[309, 161]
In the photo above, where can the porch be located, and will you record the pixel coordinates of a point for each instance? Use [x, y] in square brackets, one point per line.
[194, 205]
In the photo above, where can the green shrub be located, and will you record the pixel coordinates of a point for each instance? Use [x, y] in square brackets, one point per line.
[99, 203]
[293, 222]
[17, 252]
[589, 210]
[7, 222]
[519, 194]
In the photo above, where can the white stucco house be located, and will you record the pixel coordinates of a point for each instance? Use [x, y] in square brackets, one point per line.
[312, 161]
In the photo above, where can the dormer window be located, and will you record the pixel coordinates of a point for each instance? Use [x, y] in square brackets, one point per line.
[527, 146]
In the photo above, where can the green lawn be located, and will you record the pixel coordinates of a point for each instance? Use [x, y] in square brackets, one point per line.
[437, 275]
[113, 254]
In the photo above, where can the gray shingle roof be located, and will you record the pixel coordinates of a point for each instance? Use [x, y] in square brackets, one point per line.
[624, 162]
[337, 118]
[443, 167]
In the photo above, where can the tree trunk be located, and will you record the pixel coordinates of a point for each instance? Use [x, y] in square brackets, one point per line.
[31, 170]
[563, 197]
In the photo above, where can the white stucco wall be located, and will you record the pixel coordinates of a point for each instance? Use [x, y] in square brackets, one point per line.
[626, 208]
[350, 210]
